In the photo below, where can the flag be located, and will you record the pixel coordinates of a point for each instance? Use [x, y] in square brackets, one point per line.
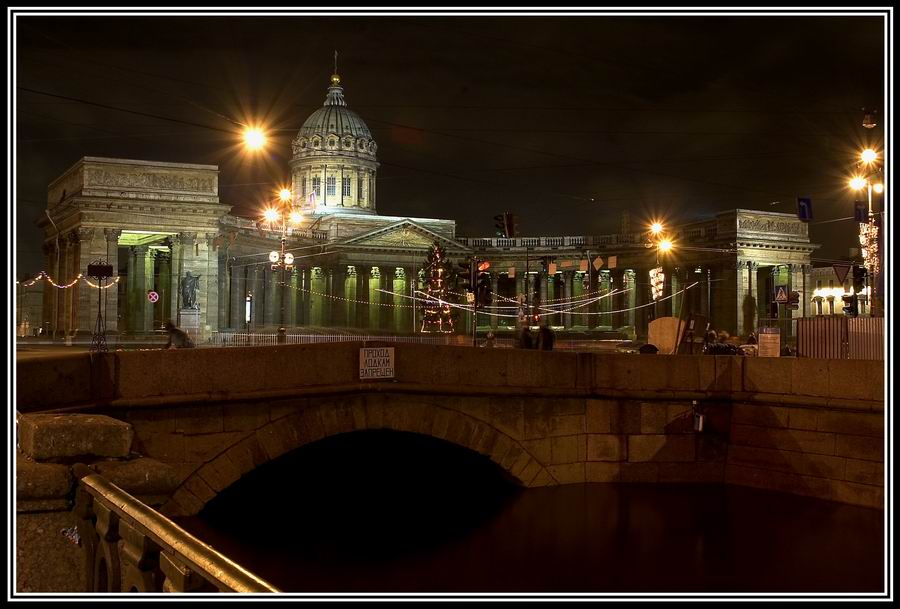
[611, 262]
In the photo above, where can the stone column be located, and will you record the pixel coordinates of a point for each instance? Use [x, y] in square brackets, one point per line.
[224, 287]
[238, 296]
[255, 285]
[271, 307]
[495, 290]
[362, 295]
[409, 313]
[303, 297]
[386, 283]
[292, 297]
[745, 305]
[139, 290]
[569, 293]
[629, 300]
[544, 279]
[594, 290]
[338, 302]
[111, 295]
[47, 304]
[176, 261]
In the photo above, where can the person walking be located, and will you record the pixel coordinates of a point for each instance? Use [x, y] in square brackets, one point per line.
[178, 338]
[525, 341]
[545, 338]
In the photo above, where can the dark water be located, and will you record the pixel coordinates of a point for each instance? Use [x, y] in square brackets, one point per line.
[389, 511]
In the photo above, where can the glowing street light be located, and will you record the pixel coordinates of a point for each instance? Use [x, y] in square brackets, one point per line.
[656, 228]
[665, 245]
[878, 188]
[282, 215]
[254, 139]
[868, 156]
[857, 183]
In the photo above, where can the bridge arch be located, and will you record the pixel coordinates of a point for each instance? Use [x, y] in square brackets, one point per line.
[306, 421]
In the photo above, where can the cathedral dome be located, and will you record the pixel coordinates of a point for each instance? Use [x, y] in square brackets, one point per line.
[334, 129]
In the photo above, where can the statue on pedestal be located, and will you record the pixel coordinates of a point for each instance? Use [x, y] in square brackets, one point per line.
[189, 286]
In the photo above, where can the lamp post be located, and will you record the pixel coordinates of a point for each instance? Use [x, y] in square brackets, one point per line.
[869, 178]
[279, 219]
[663, 245]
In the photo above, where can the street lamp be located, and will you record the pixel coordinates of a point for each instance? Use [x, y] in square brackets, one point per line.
[869, 178]
[254, 138]
[280, 218]
[663, 245]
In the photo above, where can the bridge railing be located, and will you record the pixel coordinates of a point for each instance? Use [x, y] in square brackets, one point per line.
[130, 547]
[254, 339]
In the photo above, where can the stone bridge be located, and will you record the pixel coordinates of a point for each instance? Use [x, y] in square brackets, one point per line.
[812, 427]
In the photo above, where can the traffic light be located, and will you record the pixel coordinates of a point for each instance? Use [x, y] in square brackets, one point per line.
[464, 277]
[860, 211]
[804, 209]
[859, 279]
[505, 225]
[851, 305]
[500, 225]
[483, 293]
[793, 301]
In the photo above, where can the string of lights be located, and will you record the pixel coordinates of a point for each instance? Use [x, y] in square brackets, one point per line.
[43, 276]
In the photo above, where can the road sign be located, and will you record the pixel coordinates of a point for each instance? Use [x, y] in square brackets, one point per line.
[152, 296]
[598, 262]
[611, 262]
[781, 295]
[470, 297]
[376, 363]
[841, 270]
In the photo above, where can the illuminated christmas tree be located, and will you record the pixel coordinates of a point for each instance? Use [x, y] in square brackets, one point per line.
[437, 316]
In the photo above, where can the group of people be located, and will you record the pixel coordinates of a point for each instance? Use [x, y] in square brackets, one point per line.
[543, 341]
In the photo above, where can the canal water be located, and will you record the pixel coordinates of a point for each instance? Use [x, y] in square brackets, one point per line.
[394, 512]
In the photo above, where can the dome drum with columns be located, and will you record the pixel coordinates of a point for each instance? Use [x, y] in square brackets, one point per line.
[333, 164]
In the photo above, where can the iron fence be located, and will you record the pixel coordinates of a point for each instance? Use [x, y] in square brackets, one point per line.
[841, 337]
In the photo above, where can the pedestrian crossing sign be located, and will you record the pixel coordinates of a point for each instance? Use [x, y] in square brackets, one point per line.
[781, 296]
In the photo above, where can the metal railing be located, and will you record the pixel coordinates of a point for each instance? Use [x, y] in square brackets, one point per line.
[548, 242]
[838, 337]
[130, 547]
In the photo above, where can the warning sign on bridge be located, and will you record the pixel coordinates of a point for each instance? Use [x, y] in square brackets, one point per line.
[376, 363]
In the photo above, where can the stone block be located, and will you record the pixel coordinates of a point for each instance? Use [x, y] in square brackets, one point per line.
[54, 436]
[810, 377]
[521, 463]
[567, 449]
[543, 478]
[141, 476]
[802, 418]
[245, 416]
[275, 439]
[199, 419]
[677, 412]
[865, 472]
[202, 448]
[438, 428]
[654, 373]
[859, 447]
[601, 472]
[39, 379]
[599, 414]
[783, 439]
[199, 488]
[768, 375]
[660, 447]
[566, 425]
[692, 472]
[41, 480]
[529, 472]
[501, 446]
[540, 449]
[683, 372]
[784, 482]
[638, 472]
[569, 473]
[511, 457]
[359, 414]
[606, 447]
[875, 379]
[508, 416]
[220, 473]
[603, 371]
[626, 418]
[188, 503]
[524, 368]
[762, 415]
[857, 423]
[858, 494]
[626, 373]
[246, 455]
[475, 407]
[557, 368]
[279, 409]
[152, 420]
[45, 560]
[729, 373]
[850, 379]
[821, 466]
[654, 416]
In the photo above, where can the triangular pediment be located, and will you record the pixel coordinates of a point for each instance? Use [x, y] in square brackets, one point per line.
[405, 234]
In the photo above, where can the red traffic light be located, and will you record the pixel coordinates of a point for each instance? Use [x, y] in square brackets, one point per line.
[483, 266]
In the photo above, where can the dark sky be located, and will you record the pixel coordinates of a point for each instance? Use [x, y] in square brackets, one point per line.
[566, 121]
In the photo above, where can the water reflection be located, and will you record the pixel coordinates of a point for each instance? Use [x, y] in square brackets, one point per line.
[388, 511]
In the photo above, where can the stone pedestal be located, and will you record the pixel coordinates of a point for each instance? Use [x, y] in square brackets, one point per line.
[189, 321]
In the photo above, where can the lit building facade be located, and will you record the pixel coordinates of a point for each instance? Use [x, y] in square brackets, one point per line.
[155, 222]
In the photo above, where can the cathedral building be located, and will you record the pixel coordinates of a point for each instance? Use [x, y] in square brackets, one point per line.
[179, 254]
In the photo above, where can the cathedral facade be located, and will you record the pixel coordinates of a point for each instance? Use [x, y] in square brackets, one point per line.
[162, 226]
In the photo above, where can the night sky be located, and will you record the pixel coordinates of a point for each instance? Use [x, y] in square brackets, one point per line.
[565, 121]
